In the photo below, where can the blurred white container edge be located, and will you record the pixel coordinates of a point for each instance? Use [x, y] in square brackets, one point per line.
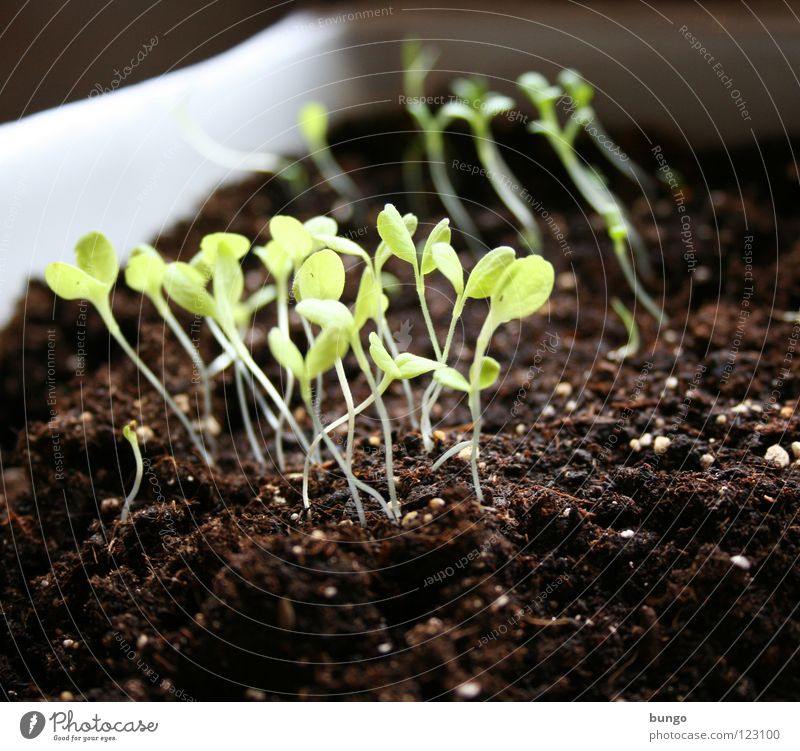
[120, 163]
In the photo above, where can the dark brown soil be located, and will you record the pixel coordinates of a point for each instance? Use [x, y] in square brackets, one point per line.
[593, 571]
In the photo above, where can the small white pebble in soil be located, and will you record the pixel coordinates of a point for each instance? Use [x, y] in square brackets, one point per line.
[469, 690]
[110, 504]
[741, 409]
[635, 444]
[565, 281]
[182, 400]
[318, 534]
[786, 412]
[563, 389]
[646, 439]
[671, 383]
[374, 440]
[409, 518]
[548, 410]
[796, 449]
[436, 503]
[741, 562]
[141, 642]
[466, 453]
[294, 517]
[385, 647]
[145, 433]
[67, 643]
[721, 419]
[520, 429]
[571, 405]
[566, 512]
[626, 534]
[330, 592]
[706, 460]
[777, 456]
[670, 336]
[439, 435]
[661, 444]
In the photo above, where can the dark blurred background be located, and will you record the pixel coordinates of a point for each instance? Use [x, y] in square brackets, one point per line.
[56, 51]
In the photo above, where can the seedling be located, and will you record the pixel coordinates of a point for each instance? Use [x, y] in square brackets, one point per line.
[93, 279]
[313, 121]
[634, 340]
[144, 273]
[587, 181]
[129, 432]
[515, 292]
[477, 106]
[419, 61]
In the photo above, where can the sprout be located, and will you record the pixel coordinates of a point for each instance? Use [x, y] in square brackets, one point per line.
[516, 290]
[590, 185]
[313, 121]
[634, 340]
[93, 279]
[129, 432]
[418, 63]
[144, 273]
[478, 106]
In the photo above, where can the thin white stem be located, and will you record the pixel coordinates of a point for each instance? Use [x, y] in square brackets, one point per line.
[244, 408]
[450, 453]
[137, 482]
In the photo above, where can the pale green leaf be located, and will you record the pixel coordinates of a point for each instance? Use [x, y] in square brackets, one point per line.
[447, 261]
[144, 271]
[457, 111]
[343, 245]
[538, 88]
[71, 283]
[97, 257]
[487, 272]
[285, 352]
[395, 235]
[228, 280]
[320, 225]
[326, 314]
[381, 357]
[277, 259]
[496, 104]
[413, 366]
[313, 122]
[331, 345]
[368, 301]
[439, 234]
[321, 276]
[186, 286]
[293, 236]
[488, 373]
[524, 287]
[451, 379]
[577, 87]
[237, 245]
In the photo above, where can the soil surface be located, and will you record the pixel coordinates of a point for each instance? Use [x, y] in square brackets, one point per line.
[634, 542]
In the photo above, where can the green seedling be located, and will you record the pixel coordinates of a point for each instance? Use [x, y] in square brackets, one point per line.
[313, 122]
[418, 62]
[271, 164]
[515, 291]
[144, 273]
[129, 433]
[634, 340]
[92, 279]
[477, 106]
[587, 181]
[583, 117]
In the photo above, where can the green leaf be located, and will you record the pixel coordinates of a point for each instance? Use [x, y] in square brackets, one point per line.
[327, 314]
[368, 300]
[488, 373]
[260, 298]
[331, 345]
[413, 366]
[277, 259]
[452, 379]
[187, 287]
[96, 256]
[381, 357]
[320, 225]
[71, 283]
[344, 246]
[237, 245]
[321, 276]
[439, 234]
[144, 271]
[487, 272]
[228, 279]
[457, 111]
[313, 122]
[577, 87]
[285, 351]
[395, 234]
[448, 263]
[496, 104]
[538, 88]
[293, 236]
[523, 289]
